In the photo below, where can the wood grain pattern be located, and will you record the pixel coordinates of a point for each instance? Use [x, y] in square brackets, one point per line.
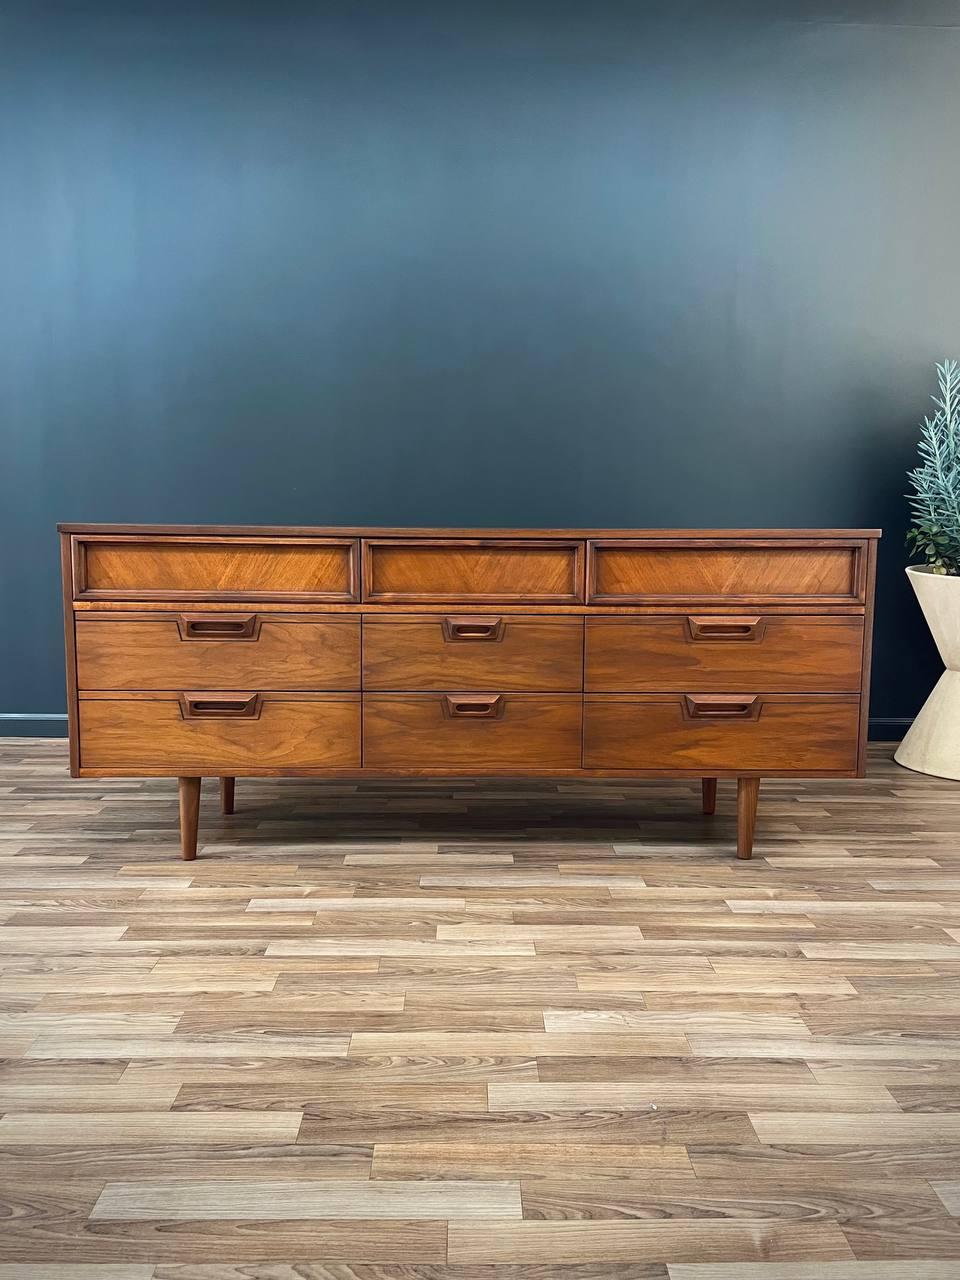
[916, 1269]
[480, 570]
[414, 730]
[280, 1200]
[748, 793]
[806, 654]
[652, 731]
[122, 732]
[340, 1047]
[537, 654]
[809, 1129]
[562, 1243]
[527, 1160]
[131, 568]
[701, 570]
[189, 797]
[34, 1129]
[76, 1271]
[287, 653]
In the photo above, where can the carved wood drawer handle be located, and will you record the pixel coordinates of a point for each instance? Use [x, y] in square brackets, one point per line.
[473, 628]
[223, 626]
[716, 628]
[721, 706]
[220, 706]
[474, 707]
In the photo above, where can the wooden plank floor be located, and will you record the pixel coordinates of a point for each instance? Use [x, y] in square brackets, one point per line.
[509, 1031]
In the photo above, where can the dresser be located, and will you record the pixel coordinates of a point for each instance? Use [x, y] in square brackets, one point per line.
[351, 653]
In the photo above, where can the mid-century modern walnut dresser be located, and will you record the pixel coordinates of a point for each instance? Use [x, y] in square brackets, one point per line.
[353, 653]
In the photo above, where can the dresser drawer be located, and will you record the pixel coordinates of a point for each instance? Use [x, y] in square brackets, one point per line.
[473, 651]
[484, 570]
[218, 732]
[199, 650]
[717, 653]
[214, 568]
[747, 572]
[721, 733]
[477, 731]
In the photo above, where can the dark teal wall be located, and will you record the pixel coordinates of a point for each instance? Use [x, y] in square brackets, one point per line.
[474, 263]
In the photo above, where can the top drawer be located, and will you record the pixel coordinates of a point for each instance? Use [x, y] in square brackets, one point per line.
[705, 571]
[214, 568]
[477, 570]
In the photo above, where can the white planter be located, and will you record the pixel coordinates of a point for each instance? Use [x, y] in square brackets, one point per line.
[932, 744]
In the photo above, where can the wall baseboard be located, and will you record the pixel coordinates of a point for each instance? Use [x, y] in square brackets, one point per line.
[53, 724]
[888, 728]
[42, 724]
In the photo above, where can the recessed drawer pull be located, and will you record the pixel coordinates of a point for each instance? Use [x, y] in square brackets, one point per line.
[473, 628]
[227, 626]
[473, 708]
[214, 706]
[720, 706]
[716, 628]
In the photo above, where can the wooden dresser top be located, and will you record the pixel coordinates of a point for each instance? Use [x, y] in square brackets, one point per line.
[373, 531]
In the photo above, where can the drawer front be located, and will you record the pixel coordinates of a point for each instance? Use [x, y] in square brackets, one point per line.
[215, 568]
[473, 651]
[216, 732]
[218, 651]
[487, 570]
[476, 731]
[721, 732]
[752, 572]
[717, 653]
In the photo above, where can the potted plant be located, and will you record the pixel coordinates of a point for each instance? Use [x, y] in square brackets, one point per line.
[932, 744]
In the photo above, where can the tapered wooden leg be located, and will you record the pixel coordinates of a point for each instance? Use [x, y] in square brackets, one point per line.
[748, 790]
[227, 787]
[189, 816]
[709, 786]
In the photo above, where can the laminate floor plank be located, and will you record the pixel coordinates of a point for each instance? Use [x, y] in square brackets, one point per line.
[68, 1096]
[258, 1045]
[76, 1271]
[512, 1043]
[333, 1095]
[485, 1159]
[31, 1129]
[819, 1048]
[564, 1242]
[916, 1269]
[279, 1200]
[857, 1202]
[474, 1030]
[818, 1164]
[617, 1021]
[443, 1271]
[69, 1166]
[714, 1097]
[373, 1072]
[641, 1126]
[343, 1019]
[809, 1129]
[695, 1070]
[949, 1193]
[384, 1240]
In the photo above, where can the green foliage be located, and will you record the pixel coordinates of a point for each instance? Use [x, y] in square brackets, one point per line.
[935, 501]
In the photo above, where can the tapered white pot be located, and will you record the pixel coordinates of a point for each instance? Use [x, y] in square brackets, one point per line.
[932, 744]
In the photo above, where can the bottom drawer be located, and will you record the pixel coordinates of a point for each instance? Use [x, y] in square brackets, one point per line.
[219, 732]
[472, 731]
[721, 732]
